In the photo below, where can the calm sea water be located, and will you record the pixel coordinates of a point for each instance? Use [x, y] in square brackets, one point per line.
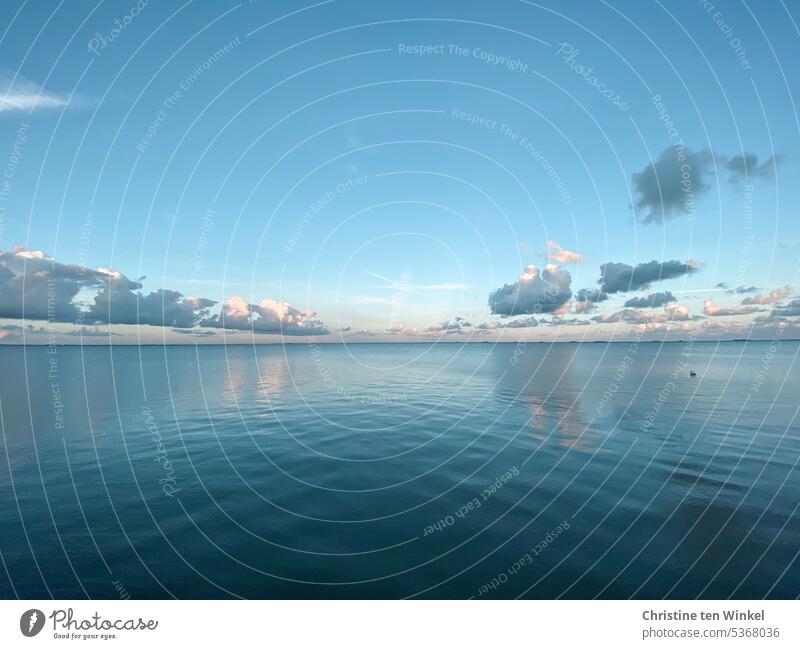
[439, 471]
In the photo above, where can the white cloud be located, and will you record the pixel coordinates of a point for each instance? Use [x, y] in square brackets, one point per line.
[19, 94]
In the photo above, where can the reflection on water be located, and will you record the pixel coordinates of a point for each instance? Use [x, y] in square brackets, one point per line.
[401, 471]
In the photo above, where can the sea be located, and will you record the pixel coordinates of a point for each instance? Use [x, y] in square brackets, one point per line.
[439, 471]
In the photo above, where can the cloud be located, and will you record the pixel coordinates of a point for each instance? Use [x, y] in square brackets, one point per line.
[744, 167]
[672, 313]
[591, 295]
[89, 332]
[775, 296]
[117, 303]
[585, 307]
[19, 94]
[560, 255]
[711, 309]
[454, 326]
[743, 289]
[35, 286]
[652, 300]
[791, 309]
[619, 278]
[546, 291]
[404, 285]
[268, 316]
[666, 327]
[520, 323]
[587, 299]
[446, 286]
[196, 333]
[10, 333]
[558, 321]
[670, 185]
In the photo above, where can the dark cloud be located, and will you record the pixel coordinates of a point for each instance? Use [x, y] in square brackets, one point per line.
[196, 333]
[652, 300]
[743, 289]
[745, 167]
[670, 185]
[117, 303]
[619, 278]
[547, 291]
[35, 286]
[587, 298]
[788, 310]
[590, 295]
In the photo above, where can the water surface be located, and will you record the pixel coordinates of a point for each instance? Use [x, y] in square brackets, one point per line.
[439, 471]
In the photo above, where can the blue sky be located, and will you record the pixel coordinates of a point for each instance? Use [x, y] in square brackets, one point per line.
[388, 166]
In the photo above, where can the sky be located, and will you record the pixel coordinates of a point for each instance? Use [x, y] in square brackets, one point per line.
[398, 171]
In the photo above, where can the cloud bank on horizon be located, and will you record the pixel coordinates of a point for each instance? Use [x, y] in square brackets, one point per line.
[36, 287]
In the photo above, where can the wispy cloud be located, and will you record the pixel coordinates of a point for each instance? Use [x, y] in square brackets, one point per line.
[403, 284]
[20, 94]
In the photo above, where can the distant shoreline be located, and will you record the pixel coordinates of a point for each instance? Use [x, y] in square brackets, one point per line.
[399, 343]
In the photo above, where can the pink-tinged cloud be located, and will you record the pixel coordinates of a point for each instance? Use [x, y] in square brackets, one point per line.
[711, 309]
[560, 255]
[585, 307]
[775, 296]
[268, 316]
[652, 327]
